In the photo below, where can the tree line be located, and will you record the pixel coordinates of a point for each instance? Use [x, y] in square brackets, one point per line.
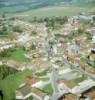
[51, 21]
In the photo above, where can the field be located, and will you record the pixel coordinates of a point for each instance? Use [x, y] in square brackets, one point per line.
[53, 11]
[9, 85]
[17, 55]
[56, 11]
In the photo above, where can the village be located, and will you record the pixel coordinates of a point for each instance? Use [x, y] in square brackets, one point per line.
[61, 61]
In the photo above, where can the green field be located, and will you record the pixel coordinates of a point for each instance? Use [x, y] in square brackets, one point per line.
[48, 89]
[53, 11]
[17, 55]
[9, 85]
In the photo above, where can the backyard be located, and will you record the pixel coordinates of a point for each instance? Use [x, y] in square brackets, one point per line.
[48, 89]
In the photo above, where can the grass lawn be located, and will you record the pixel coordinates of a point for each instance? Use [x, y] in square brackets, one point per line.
[12, 82]
[17, 55]
[48, 89]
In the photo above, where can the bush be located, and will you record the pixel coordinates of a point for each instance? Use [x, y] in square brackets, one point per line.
[33, 47]
[33, 33]
[4, 31]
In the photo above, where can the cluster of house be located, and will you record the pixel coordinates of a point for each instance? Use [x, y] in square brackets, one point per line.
[32, 88]
[63, 84]
[6, 44]
[74, 58]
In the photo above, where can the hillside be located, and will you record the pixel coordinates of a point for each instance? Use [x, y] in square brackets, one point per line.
[34, 3]
[7, 6]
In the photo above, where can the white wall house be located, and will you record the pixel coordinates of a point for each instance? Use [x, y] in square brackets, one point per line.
[77, 89]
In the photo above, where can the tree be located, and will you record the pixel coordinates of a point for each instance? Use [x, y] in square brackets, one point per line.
[80, 31]
[65, 18]
[41, 20]
[33, 33]
[33, 47]
[35, 19]
[5, 71]
[1, 95]
[94, 18]
[46, 19]
[52, 24]
[17, 29]
[4, 30]
[89, 36]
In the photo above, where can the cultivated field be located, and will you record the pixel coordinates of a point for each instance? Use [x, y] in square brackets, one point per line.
[53, 11]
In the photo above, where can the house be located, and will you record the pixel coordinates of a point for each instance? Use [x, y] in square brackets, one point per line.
[86, 67]
[23, 24]
[76, 88]
[23, 39]
[68, 85]
[23, 93]
[76, 26]
[40, 64]
[66, 70]
[73, 59]
[31, 80]
[14, 64]
[93, 39]
[92, 55]
[6, 47]
[84, 51]
[67, 29]
[74, 48]
[2, 19]
[1, 63]
[36, 82]
[70, 96]
[26, 91]
[39, 94]
[90, 69]
[85, 85]
[41, 28]
[91, 94]
[86, 16]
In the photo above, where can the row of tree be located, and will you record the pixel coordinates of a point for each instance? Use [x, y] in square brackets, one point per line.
[51, 21]
[8, 31]
[4, 31]
[5, 71]
[7, 52]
